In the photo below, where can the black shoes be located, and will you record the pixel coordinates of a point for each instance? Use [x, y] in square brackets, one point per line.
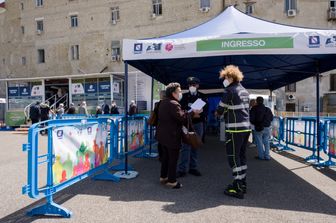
[180, 174]
[237, 189]
[195, 172]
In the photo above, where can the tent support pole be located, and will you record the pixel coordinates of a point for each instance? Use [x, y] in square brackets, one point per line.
[151, 127]
[318, 140]
[126, 117]
[126, 174]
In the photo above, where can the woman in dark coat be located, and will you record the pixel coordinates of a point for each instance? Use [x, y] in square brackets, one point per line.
[169, 133]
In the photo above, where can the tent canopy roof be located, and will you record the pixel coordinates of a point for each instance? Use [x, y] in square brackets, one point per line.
[282, 54]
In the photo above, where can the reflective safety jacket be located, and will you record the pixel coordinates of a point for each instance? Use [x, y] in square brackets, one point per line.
[235, 106]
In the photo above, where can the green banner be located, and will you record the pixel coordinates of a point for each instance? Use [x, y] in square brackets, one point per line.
[15, 118]
[245, 44]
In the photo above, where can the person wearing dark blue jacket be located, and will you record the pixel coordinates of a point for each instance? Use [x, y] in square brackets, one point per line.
[234, 105]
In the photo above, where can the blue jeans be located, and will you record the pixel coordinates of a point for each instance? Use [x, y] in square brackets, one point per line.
[188, 156]
[262, 139]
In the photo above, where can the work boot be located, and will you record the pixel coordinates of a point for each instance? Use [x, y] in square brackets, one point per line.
[244, 187]
[234, 190]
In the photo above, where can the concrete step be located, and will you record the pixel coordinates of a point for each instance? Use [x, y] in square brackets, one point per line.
[21, 129]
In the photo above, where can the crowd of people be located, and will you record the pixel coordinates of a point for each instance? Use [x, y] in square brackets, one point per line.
[179, 158]
[39, 112]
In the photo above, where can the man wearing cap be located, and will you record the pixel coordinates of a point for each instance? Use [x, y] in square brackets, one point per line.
[189, 156]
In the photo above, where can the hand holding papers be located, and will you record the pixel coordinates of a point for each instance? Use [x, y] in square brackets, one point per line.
[197, 106]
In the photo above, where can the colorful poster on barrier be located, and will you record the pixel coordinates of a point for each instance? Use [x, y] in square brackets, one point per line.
[275, 128]
[135, 135]
[332, 139]
[299, 129]
[78, 150]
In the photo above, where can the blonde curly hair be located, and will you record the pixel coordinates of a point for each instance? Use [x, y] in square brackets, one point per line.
[233, 72]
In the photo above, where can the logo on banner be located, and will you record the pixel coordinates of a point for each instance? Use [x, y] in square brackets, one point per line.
[154, 48]
[314, 42]
[169, 47]
[331, 42]
[89, 130]
[138, 48]
[59, 134]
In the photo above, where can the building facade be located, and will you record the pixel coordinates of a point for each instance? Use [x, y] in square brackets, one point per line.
[45, 38]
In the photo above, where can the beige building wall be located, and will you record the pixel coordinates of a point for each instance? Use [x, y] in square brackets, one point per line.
[96, 32]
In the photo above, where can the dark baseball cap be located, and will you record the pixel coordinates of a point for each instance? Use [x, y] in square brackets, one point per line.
[193, 80]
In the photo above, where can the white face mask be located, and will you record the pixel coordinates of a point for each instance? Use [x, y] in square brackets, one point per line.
[180, 96]
[192, 89]
[226, 83]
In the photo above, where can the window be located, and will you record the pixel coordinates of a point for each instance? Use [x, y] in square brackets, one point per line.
[115, 50]
[204, 4]
[41, 56]
[22, 29]
[291, 88]
[333, 3]
[332, 82]
[39, 3]
[75, 52]
[115, 14]
[23, 61]
[290, 4]
[39, 25]
[74, 20]
[249, 8]
[157, 7]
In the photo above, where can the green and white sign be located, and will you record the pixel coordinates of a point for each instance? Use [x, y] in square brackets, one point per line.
[246, 44]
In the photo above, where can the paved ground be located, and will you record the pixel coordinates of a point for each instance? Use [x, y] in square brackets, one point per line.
[281, 190]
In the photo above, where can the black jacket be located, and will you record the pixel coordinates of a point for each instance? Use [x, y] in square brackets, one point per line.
[261, 116]
[35, 112]
[188, 99]
[114, 110]
[235, 106]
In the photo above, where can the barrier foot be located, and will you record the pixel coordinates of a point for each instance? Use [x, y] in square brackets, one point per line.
[106, 176]
[286, 148]
[147, 154]
[313, 160]
[329, 163]
[120, 166]
[50, 209]
[127, 175]
[151, 155]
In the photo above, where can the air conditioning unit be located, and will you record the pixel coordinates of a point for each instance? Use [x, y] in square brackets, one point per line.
[205, 9]
[39, 32]
[153, 16]
[291, 12]
[114, 21]
[332, 13]
[291, 97]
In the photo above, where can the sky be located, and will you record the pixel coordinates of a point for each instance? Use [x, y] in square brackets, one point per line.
[1, 1]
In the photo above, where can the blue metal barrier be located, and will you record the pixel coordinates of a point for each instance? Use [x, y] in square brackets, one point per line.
[137, 139]
[301, 132]
[56, 181]
[329, 141]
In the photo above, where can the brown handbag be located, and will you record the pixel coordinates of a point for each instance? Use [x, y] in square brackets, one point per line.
[153, 119]
[191, 137]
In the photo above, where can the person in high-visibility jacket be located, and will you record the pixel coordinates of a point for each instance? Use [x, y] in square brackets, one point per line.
[235, 107]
